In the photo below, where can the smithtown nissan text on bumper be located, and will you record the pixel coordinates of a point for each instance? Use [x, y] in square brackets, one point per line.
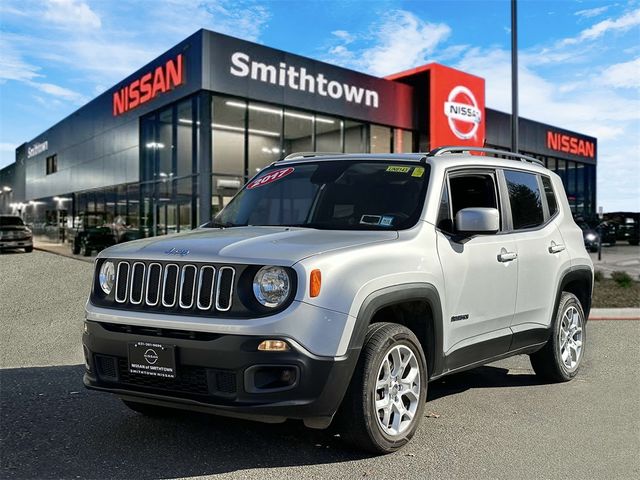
[333, 288]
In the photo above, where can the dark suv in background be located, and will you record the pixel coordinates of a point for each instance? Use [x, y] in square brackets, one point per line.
[15, 234]
[90, 232]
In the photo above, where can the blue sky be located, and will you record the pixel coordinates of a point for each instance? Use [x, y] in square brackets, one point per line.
[579, 60]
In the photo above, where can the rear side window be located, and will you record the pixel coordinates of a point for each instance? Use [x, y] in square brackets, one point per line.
[551, 197]
[525, 199]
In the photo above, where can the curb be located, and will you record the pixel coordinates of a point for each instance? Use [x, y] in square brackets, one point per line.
[613, 318]
[60, 254]
[615, 314]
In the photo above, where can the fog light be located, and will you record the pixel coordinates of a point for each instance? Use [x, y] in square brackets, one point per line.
[273, 346]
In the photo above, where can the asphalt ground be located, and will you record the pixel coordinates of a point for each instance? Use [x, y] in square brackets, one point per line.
[493, 422]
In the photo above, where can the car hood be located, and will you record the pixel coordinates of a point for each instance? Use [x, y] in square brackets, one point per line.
[258, 245]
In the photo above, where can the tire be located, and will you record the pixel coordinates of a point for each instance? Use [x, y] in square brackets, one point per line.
[75, 248]
[149, 410]
[28, 249]
[634, 243]
[358, 421]
[85, 250]
[548, 362]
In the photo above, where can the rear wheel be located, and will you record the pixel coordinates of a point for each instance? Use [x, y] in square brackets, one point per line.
[75, 248]
[559, 360]
[385, 400]
[149, 410]
[28, 249]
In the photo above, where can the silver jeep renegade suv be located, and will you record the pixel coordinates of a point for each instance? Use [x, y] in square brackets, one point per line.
[333, 288]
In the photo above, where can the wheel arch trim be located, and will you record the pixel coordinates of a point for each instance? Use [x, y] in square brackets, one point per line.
[396, 294]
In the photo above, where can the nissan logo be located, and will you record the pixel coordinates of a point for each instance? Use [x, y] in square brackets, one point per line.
[151, 356]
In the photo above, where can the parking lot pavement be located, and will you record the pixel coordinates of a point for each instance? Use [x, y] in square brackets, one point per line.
[493, 422]
[620, 257]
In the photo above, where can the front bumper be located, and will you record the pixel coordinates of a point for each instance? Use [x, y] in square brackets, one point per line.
[216, 374]
[23, 243]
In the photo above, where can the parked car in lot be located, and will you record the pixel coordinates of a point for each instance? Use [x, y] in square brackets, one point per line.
[15, 234]
[90, 232]
[334, 288]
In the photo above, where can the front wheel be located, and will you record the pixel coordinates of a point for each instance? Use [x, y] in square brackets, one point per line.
[385, 400]
[560, 359]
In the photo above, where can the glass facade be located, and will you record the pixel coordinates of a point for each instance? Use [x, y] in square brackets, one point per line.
[180, 162]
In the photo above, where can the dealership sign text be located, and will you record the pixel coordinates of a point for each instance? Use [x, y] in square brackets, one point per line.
[297, 78]
[567, 143]
[144, 89]
[37, 148]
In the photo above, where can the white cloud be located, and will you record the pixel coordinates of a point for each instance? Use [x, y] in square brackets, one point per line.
[59, 92]
[13, 66]
[591, 12]
[72, 13]
[343, 35]
[8, 147]
[620, 24]
[623, 75]
[401, 41]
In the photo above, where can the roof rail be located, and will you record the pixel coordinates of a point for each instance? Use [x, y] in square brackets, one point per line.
[495, 152]
[291, 156]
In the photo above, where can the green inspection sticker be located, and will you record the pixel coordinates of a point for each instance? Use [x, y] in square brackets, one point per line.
[396, 169]
[418, 172]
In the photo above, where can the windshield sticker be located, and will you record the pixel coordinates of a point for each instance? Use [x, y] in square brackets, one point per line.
[386, 221]
[370, 219]
[270, 177]
[396, 169]
[418, 172]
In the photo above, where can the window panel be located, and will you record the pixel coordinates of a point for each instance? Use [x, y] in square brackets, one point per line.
[525, 199]
[328, 134]
[164, 145]
[228, 135]
[355, 137]
[185, 139]
[298, 134]
[550, 195]
[380, 139]
[265, 132]
[402, 141]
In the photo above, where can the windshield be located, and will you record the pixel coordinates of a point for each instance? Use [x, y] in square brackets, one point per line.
[354, 195]
[11, 222]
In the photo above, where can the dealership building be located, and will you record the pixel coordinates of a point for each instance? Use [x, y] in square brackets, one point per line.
[168, 146]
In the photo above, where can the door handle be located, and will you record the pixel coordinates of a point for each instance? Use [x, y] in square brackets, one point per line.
[556, 247]
[505, 256]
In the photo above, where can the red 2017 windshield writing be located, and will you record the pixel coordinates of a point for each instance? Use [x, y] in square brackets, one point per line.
[270, 177]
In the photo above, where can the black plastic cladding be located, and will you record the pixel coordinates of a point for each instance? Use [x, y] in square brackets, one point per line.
[243, 302]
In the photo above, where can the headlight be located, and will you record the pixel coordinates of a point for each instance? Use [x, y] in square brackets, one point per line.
[590, 237]
[271, 286]
[107, 277]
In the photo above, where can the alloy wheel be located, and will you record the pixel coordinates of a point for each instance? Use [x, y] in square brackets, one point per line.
[397, 390]
[570, 338]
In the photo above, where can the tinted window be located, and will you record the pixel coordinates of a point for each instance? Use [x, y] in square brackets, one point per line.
[525, 199]
[551, 198]
[11, 221]
[331, 195]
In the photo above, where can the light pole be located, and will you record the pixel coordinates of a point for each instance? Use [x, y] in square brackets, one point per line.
[514, 76]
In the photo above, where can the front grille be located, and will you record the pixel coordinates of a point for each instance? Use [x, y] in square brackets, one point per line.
[190, 380]
[174, 287]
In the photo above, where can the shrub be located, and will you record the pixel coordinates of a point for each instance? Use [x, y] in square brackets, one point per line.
[598, 276]
[623, 279]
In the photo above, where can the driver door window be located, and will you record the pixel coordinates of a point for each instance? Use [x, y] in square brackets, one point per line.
[466, 190]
